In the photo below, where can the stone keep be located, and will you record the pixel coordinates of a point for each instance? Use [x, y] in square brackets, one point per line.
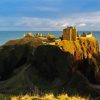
[70, 33]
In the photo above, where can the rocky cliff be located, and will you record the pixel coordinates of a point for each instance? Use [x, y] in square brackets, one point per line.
[70, 67]
[85, 52]
[85, 47]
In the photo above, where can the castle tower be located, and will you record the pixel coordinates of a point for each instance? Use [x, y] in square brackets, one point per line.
[74, 34]
[70, 33]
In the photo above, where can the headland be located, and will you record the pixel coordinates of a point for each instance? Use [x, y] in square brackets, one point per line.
[45, 63]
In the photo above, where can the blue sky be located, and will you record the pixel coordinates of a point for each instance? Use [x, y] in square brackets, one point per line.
[16, 15]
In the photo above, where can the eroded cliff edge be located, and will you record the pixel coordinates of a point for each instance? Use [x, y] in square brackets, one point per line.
[84, 50]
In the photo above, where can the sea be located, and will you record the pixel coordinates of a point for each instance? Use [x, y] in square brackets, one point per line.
[11, 35]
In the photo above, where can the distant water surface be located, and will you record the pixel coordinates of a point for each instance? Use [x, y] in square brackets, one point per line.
[9, 35]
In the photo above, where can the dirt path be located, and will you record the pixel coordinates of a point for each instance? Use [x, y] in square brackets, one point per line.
[97, 87]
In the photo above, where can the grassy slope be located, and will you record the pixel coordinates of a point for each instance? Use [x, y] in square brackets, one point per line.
[45, 97]
[21, 79]
[51, 97]
[17, 82]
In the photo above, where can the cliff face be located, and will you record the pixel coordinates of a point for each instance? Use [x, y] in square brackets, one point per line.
[86, 53]
[84, 47]
[71, 65]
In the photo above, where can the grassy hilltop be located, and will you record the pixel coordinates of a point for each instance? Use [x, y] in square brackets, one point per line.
[36, 64]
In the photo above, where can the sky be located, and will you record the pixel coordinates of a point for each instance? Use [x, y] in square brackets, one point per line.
[52, 15]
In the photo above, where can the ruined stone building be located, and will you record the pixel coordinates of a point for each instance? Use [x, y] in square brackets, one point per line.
[29, 34]
[87, 35]
[70, 33]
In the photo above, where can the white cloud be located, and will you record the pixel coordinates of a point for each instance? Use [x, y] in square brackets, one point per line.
[64, 25]
[83, 21]
[82, 24]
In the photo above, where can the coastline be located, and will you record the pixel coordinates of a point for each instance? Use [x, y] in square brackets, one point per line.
[9, 35]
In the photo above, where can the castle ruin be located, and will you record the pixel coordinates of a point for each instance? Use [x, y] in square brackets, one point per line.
[87, 35]
[70, 33]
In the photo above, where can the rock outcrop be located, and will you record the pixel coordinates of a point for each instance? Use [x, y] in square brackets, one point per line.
[86, 54]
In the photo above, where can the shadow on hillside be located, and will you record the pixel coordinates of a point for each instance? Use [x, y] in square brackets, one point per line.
[49, 70]
[56, 67]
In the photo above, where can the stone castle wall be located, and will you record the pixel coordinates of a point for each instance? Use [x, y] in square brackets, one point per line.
[70, 33]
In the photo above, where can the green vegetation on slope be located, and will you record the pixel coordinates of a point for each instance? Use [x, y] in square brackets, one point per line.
[29, 67]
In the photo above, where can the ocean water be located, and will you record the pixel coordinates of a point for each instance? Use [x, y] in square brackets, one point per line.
[10, 35]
